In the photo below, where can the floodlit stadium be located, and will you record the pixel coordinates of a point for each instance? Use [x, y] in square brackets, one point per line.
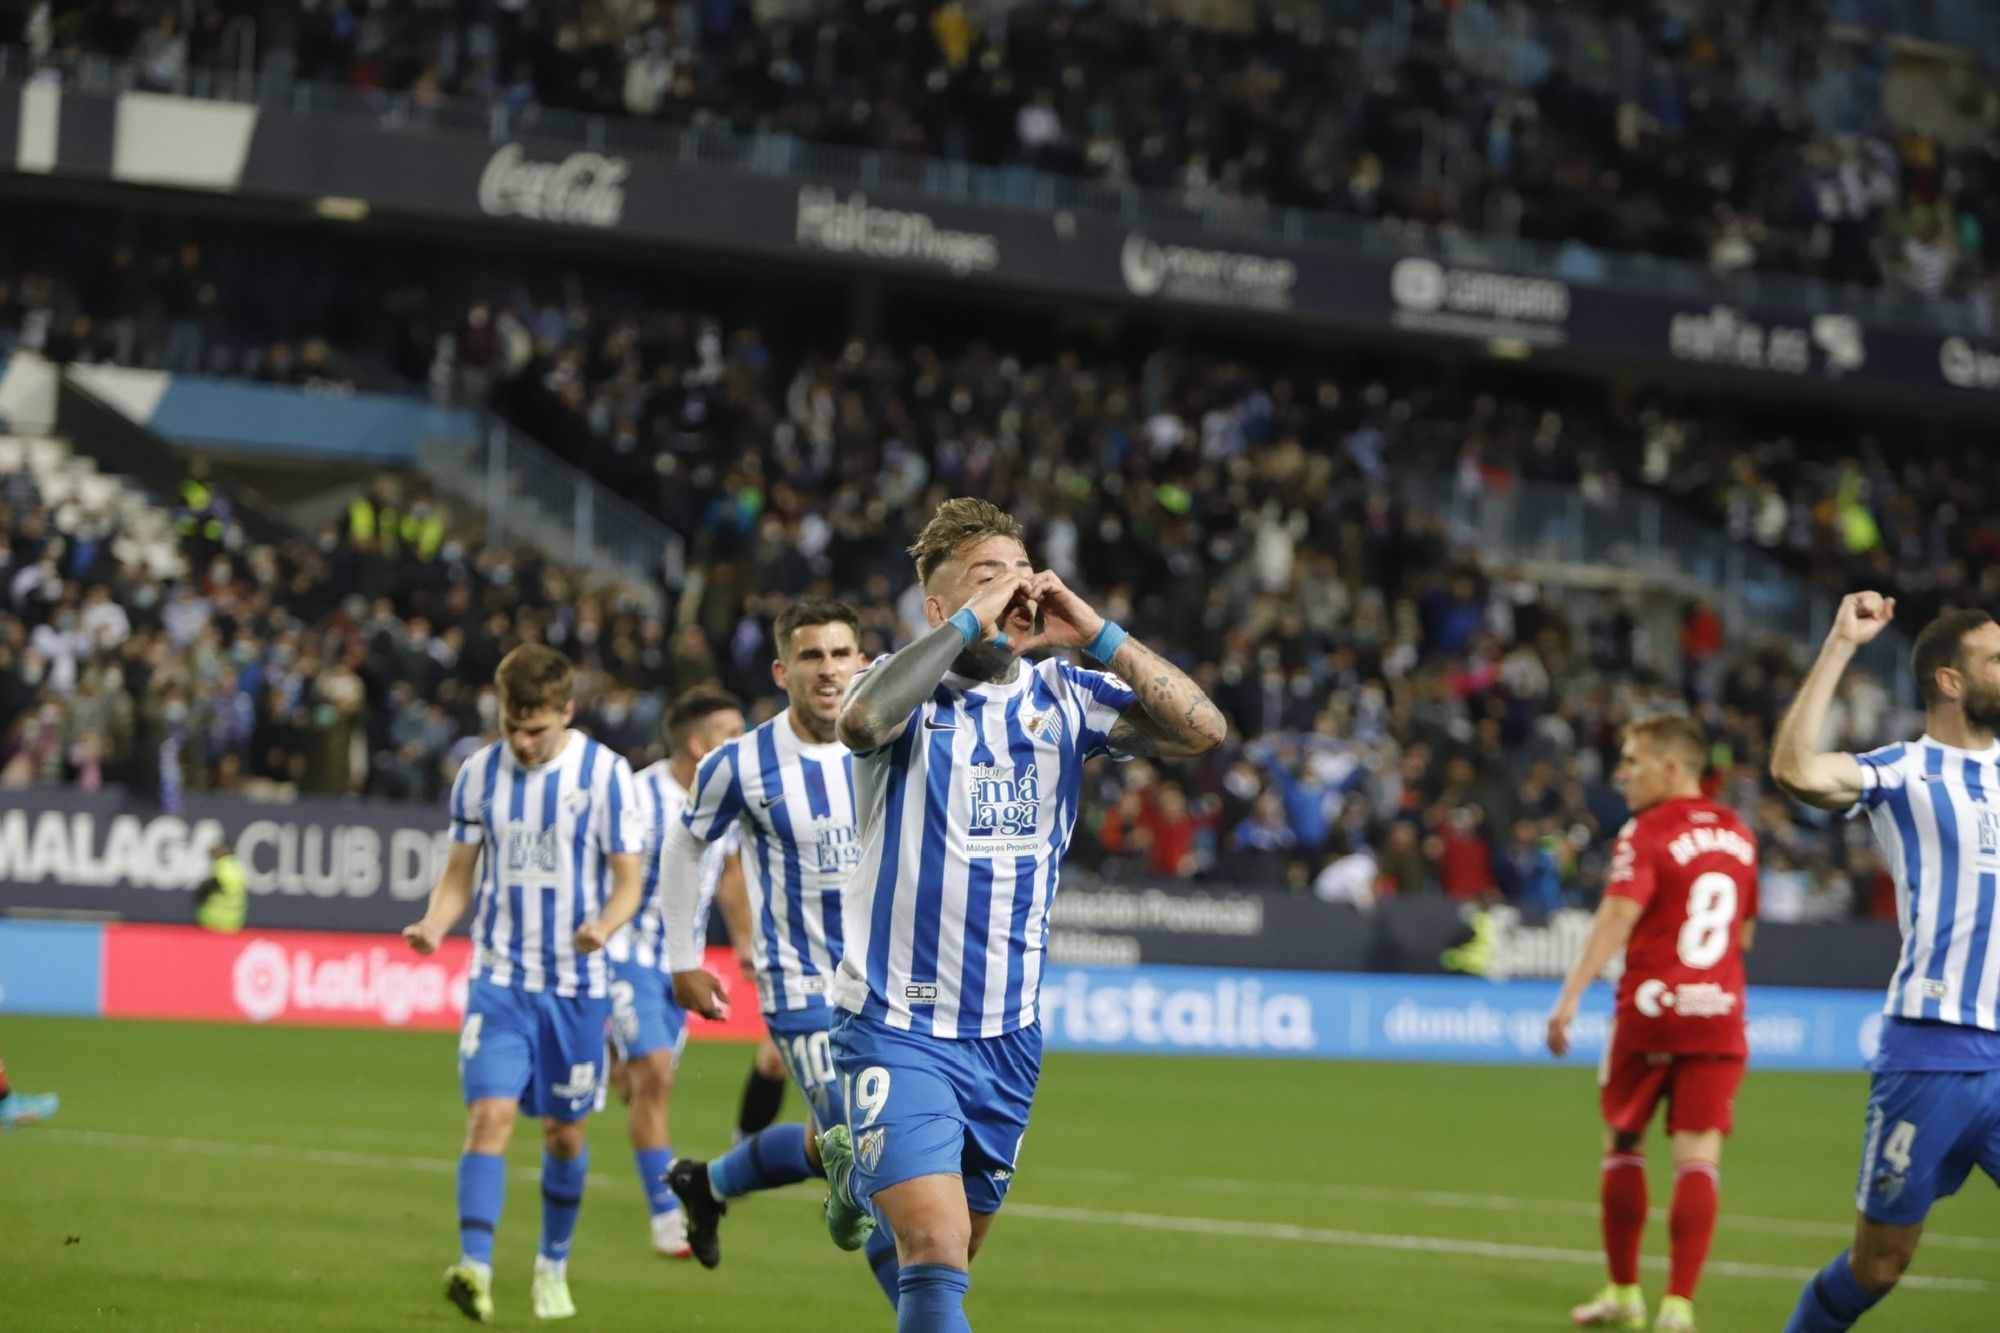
[1048, 665]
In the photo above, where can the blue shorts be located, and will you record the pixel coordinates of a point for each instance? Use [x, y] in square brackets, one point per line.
[921, 1106]
[644, 1014]
[1926, 1131]
[543, 1049]
[801, 1038]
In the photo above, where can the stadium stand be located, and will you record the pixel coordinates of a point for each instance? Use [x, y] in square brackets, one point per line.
[1740, 137]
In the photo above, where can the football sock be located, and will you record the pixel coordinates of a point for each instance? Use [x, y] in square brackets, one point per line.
[764, 1161]
[4, 1087]
[562, 1200]
[1621, 1203]
[761, 1099]
[931, 1299]
[653, 1164]
[881, 1251]
[1691, 1224]
[1832, 1301]
[482, 1188]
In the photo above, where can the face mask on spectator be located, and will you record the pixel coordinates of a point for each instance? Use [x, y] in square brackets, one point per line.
[175, 712]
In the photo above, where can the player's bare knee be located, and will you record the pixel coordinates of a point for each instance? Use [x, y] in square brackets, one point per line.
[769, 1063]
[934, 1239]
[489, 1123]
[563, 1138]
[1881, 1254]
[651, 1083]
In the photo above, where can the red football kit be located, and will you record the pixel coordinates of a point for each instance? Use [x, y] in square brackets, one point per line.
[1679, 1034]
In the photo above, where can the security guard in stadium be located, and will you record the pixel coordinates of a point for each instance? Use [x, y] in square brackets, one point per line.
[223, 901]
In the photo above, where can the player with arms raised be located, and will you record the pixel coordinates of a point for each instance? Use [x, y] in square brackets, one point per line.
[648, 1028]
[547, 824]
[967, 766]
[788, 786]
[1680, 901]
[1934, 1099]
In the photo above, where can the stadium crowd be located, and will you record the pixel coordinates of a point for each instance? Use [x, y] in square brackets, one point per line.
[1404, 719]
[1739, 136]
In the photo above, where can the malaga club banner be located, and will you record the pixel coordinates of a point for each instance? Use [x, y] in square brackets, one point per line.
[372, 980]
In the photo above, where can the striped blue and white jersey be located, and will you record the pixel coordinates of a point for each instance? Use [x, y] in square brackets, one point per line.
[662, 799]
[547, 833]
[794, 802]
[965, 817]
[1936, 812]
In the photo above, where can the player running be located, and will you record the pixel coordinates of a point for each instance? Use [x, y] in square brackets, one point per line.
[789, 785]
[1934, 1097]
[648, 1028]
[967, 767]
[558, 821]
[1680, 901]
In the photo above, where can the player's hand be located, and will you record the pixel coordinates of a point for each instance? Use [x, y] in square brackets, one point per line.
[1067, 621]
[590, 936]
[421, 937]
[1861, 617]
[1560, 1018]
[702, 992]
[998, 601]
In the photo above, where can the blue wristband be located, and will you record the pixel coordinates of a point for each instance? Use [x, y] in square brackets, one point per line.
[965, 622]
[1107, 641]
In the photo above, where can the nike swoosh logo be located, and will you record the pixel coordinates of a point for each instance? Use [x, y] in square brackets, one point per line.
[773, 800]
[939, 726]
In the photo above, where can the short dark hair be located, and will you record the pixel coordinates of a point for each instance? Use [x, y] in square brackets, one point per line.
[691, 706]
[534, 676]
[1941, 644]
[1671, 732]
[814, 611]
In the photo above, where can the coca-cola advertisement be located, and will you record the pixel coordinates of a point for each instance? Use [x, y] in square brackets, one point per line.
[584, 189]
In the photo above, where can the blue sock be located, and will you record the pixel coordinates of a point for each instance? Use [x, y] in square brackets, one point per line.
[653, 1163]
[1832, 1301]
[931, 1299]
[764, 1161]
[881, 1252]
[562, 1200]
[482, 1188]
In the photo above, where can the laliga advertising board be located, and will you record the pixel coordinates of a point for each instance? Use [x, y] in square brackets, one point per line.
[295, 976]
[364, 980]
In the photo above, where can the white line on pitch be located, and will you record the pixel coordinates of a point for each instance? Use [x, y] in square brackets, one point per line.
[1495, 1203]
[1200, 1226]
[1372, 1240]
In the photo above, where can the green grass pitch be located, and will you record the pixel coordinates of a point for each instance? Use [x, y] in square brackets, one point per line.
[207, 1177]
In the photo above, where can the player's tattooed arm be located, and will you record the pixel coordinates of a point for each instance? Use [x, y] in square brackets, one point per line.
[880, 701]
[1173, 718]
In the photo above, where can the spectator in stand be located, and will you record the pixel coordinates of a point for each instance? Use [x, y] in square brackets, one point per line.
[1464, 859]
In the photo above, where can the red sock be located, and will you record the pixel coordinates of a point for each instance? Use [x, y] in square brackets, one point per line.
[1621, 1205]
[1691, 1223]
[4, 1089]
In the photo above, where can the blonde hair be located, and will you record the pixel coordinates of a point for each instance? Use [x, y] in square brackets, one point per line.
[957, 524]
[1673, 732]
